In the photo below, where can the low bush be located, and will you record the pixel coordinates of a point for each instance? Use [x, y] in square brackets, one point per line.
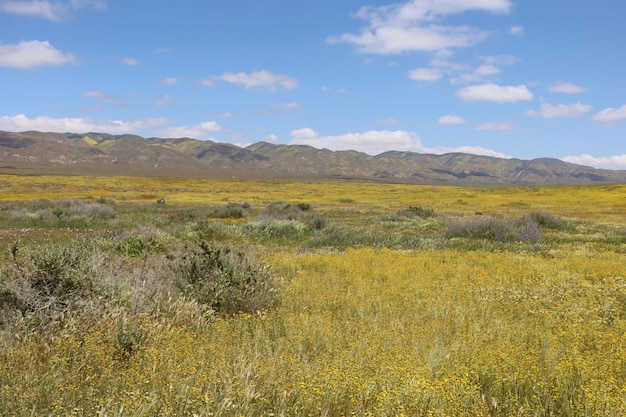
[64, 213]
[416, 211]
[227, 281]
[230, 211]
[47, 281]
[545, 220]
[489, 228]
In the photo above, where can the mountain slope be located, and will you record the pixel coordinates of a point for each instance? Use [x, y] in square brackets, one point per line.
[105, 154]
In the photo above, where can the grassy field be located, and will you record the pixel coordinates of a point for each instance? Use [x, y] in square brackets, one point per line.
[176, 297]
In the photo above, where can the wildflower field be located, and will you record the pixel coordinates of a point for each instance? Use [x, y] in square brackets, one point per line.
[128, 296]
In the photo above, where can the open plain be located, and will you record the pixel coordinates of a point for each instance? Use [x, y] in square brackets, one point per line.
[125, 296]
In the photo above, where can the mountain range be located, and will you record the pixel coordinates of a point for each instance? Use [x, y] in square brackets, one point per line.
[39, 153]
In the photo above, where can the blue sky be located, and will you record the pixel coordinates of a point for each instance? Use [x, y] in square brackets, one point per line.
[511, 78]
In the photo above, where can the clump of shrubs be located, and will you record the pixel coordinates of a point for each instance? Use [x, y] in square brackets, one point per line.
[417, 211]
[545, 220]
[47, 281]
[62, 212]
[489, 228]
[528, 228]
[302, 212]
[226, 280]
[230, 211]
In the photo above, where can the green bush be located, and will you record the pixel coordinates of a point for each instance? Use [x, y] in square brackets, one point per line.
[225, 280]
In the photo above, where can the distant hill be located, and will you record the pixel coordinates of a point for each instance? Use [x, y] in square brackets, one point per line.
[104, 154]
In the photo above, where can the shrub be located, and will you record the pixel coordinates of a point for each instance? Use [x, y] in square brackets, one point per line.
[230, 211]
[66, 212]
[46, 282]
[141, 240]
[417, 211]
[284, 229]
[225, 280]
[545, 220]
[301, 212]
[481, 228]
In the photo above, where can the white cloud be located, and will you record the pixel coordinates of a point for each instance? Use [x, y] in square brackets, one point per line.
[199, 131]
[611, 115]
[32, 54]
[474, 150]
[170, 81]
[487, 69]
[478, 75]
[371, 142]
[102, 97]
[560, 110]
[271, 138]
[338, 90]
[54, 11]
[567, 88]
[389, 121]
[503, 127]
[449, 120]
[379, 141]
[207, 82]
[495, 92]
[516, 30]
[415, 26]
[131, 61]
[501, 59]
[425, 74]
[287, 106]
[607, 162]
[164, 101]
[265, 80]
[20, 123]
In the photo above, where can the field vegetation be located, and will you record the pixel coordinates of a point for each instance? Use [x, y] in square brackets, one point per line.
[181, 297]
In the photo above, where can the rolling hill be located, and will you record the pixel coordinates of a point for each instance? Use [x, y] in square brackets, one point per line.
[105, 154]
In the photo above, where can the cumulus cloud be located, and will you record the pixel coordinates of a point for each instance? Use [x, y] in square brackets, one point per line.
[611, 115]
[560, 110]
[607, 162]
[502, 127]
[378, 141]
[474, 150]
[495, 92]
[264, 80]
[565, 87]
[53, 11]
[21, 122]
[516, 30]
[450, 120]
[425, 74]
[481, 73]
[415, 25]
[371, 142]
[31, 54]
[199, 131]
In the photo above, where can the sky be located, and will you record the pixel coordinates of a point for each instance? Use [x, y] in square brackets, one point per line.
[508, 78]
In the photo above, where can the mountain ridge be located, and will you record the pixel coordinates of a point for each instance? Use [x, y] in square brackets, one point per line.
[95, 153]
